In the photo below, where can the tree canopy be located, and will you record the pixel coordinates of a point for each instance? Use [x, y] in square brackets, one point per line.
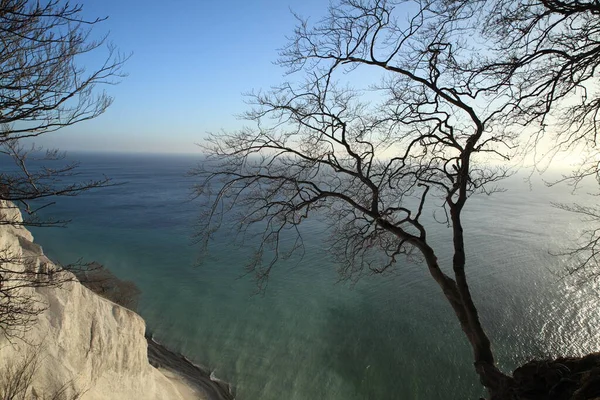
[45, 85]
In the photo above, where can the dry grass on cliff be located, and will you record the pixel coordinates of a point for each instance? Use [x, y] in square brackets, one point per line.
[103, 282]
[17, 377]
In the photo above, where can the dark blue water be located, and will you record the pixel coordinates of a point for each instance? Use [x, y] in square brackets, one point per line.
[310, 337]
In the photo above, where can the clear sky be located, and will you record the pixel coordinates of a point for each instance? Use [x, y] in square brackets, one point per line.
[191, 62]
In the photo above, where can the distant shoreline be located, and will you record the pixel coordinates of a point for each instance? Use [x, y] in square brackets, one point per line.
[162, 358]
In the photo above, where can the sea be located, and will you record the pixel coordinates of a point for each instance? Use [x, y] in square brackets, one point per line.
[311, 335]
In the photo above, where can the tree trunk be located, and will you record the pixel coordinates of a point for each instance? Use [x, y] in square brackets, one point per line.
[458, 295]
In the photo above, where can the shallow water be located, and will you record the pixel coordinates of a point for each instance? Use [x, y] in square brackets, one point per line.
[309, 336]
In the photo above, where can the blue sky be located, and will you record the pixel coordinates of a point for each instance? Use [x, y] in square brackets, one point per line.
[191, 61]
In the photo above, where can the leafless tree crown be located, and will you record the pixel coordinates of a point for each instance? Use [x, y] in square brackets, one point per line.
[45, 85]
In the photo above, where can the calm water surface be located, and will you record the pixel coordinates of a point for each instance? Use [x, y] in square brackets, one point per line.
[310, 337]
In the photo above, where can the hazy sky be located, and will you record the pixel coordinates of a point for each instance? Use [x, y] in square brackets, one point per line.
[191, 62]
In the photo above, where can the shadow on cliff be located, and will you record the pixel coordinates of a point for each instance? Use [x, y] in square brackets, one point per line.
[398, 352]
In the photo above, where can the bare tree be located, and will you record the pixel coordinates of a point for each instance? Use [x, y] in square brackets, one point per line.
[19, 274]
[372, 163]
[24, 269]
[44, 86]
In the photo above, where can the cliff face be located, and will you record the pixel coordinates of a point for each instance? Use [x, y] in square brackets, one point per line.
[82, 342]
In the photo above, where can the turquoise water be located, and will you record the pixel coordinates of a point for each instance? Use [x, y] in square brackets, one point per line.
[310, 336]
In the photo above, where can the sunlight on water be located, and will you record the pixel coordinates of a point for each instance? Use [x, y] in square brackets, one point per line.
[309, 336]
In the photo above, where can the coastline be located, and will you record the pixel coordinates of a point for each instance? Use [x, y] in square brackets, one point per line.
[177, 367]
[83, 345]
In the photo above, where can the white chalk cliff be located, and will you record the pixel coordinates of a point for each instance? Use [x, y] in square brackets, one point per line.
[84, 343]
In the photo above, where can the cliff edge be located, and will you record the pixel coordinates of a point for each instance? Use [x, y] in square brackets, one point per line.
[81, 344]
